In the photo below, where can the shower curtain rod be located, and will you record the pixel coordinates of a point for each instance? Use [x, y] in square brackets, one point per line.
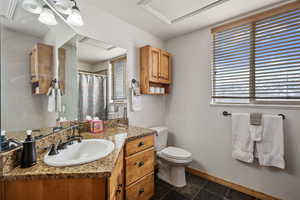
[90, 73]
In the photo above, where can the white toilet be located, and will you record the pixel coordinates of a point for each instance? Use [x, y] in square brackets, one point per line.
[171, 160]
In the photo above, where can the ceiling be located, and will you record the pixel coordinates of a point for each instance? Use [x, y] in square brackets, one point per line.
[93, 51]
[170, 18]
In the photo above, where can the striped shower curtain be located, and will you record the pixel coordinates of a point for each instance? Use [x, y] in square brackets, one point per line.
[92, 96]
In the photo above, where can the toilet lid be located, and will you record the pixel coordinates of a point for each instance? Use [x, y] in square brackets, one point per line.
[176, 153]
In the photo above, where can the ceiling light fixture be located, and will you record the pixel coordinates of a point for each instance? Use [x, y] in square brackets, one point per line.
[32, 6]
[47, 16]
[63, 6]
[75, 17]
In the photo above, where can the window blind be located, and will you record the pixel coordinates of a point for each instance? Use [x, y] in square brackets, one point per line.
[259, 60]
[118, 78]
[232, 52]
[277, 57]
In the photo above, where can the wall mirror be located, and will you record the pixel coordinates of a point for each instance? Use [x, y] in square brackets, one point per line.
[102, 80]
[35, 55]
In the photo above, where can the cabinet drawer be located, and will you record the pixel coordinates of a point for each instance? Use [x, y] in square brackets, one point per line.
[139, 144]
[139, 165]
[142, 190]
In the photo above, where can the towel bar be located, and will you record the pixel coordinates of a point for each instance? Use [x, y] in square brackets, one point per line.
[225, 113]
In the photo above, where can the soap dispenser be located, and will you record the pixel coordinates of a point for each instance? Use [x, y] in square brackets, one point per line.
[4, 144]
[29, 151]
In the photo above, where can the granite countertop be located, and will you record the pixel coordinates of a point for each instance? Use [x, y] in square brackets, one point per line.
[96, 169]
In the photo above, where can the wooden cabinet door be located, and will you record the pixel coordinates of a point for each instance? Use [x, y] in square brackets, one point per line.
[120, 187]
[62, 69]
[165, 67]
[45, 64]
[154, 64]
[116, 180]
[33, 65]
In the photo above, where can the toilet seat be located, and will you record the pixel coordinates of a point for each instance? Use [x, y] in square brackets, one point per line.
[176, 153]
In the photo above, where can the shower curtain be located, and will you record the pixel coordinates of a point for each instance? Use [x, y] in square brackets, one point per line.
[92, 96]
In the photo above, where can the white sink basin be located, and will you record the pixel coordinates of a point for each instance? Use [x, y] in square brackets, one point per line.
[80, 153]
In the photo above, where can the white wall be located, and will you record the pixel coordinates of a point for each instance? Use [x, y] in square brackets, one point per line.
[84, 66]
[20, 110]
[104, 65]
[105, 27]
[199, 127]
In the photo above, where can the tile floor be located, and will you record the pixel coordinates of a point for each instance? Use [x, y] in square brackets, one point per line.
[197, 189]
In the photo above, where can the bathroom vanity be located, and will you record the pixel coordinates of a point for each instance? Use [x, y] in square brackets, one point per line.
[52, 70]
[126, 173]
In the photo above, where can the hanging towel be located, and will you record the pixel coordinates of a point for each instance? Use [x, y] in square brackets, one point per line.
[256, 126]
[242, 144]
[255, 118]
[51, 100]
[136, 102]
[58, 100]
[270, 150]
[256, 132]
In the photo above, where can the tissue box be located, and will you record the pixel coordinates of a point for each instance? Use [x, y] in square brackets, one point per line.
[96, 126]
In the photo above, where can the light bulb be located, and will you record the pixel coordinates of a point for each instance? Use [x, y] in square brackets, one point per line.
[47, 16]
[63, 6]
[75, 18]
[32, 6]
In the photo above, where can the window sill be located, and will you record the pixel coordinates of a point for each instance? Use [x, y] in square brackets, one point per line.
[275, 106]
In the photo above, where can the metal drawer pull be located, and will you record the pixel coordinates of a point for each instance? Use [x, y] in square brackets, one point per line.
[141, 191]
[141, 144]
[141, 164]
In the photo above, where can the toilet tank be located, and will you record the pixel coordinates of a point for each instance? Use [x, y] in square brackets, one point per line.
[161, 138]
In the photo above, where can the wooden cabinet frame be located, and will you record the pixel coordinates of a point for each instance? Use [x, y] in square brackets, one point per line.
[155, 69]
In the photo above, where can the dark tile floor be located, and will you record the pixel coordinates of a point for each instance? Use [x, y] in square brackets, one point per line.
[197, 189]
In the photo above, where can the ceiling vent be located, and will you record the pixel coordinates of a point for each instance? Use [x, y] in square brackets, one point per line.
[8, 8]
[152, 6]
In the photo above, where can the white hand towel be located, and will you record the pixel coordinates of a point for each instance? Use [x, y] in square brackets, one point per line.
[256, 132]
[270, 149]
[58, 100]
[51, 100]
[242, 144]
[136, 101]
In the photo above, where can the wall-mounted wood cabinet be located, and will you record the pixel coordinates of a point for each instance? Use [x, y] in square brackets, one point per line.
[155, 72]
[41, 62]
[62, 69]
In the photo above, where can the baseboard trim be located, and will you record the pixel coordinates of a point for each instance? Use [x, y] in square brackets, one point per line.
[231, 185]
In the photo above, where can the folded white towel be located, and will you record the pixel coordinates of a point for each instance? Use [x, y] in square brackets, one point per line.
[270, 150]
[136, 100]
[242, 143]
[58, 100]
[256, 132]
[51, 100]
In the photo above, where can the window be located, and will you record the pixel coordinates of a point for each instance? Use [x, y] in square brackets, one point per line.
[257, 59]
[119, 78]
